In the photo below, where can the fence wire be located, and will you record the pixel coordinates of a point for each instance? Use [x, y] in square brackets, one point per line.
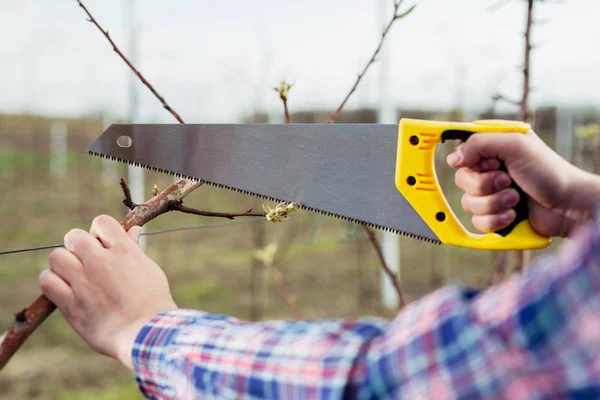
[158, 232]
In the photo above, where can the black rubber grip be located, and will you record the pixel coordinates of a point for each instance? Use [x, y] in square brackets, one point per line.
[521, 208]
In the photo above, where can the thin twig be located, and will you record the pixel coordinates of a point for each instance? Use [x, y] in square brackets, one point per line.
[284, 292]
[502, 97]
[127, 194]
[394, 18]
[177, 205]
[266, 256]
[138, 73]
[288, 117]
[283, 90]
[524, 105]
[521, 257]
[371, 233]
[498, 267]
[393, 277]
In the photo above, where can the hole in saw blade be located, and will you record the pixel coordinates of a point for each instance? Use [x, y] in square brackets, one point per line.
[124, 141]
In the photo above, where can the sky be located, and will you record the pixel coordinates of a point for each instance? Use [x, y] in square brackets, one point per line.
[215, 61]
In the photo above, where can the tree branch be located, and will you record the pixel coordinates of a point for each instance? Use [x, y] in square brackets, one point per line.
[27, 320]
[283, 90]
[385, 32]
[289, 298]
[127, 194]
[522, 257]
[267, 257]
[370, 232]
[393, 277]
[116, 49]
[524, 105]
[498, 97]
[177, 205]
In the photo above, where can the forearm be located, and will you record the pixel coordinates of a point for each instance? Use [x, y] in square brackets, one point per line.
[534, 336]
[187, 351]
[584, 194]
[515, 340]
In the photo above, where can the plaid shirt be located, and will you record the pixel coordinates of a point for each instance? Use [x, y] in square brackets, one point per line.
[535, 336]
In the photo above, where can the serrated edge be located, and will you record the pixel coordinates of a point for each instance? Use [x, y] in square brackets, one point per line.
[269, 198]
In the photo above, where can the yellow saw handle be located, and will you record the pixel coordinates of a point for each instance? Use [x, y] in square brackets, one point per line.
[416, 179]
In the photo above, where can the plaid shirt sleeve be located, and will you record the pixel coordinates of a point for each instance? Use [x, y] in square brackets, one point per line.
[535, 336]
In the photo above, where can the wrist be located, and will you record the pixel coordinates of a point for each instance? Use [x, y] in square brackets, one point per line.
[124, 345]
[128, 336]
[583, 194]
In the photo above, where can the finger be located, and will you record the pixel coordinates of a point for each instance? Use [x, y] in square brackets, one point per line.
[484, 166]
[489, 165]
[481, 183]
[489, 146]
[491, 204]
[56, 289]
[65, 264]
[456, 158]
[135, 232]
[81, 244]
[491, 223]
[108, 231]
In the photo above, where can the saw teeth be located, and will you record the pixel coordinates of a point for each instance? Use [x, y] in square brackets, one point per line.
[272, 199]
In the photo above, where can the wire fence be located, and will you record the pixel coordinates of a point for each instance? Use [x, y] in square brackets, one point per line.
[151, 233]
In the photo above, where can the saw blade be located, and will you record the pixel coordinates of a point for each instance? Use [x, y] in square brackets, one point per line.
[340, 170]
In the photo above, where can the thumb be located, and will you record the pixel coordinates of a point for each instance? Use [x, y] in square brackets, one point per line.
[135, 232]
[501, 146]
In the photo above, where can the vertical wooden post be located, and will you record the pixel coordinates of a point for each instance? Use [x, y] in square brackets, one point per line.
[58, 148]
[390, 242]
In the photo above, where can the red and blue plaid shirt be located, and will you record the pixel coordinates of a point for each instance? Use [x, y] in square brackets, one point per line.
[535, 336]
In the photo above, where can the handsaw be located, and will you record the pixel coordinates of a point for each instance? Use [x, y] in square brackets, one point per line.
[381, 175]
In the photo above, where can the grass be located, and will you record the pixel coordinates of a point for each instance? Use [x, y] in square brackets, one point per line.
[127, 390]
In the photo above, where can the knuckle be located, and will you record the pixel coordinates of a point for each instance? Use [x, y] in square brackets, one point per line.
[73, 234]
[54, 257]
[459, 178]
[481, 184]
[122, 246]
[465, 202]
[480, 223]
[101, 219]
[44, 279]
[97, 259]
[70, 234]
[491, 204]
